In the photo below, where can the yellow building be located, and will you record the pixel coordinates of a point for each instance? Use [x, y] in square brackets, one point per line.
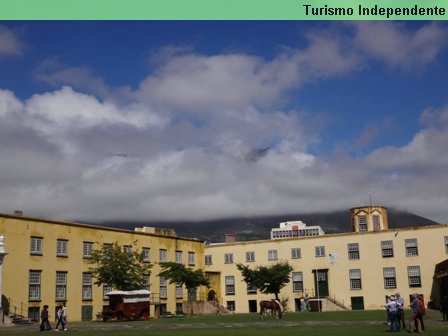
[354, 270]
[47, 263]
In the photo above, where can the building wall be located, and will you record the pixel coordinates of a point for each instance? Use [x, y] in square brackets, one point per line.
[432, 249]
[18, 263]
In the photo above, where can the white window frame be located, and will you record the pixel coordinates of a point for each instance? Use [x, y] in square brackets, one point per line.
[179, 291]
[362, 222]
[106, 289]
[228, 258]
[387, 248]
[355, 279]
[191, 258]
[36, 245]
[87, 286]
[414, 276]
[390, 277]
[146, 251]
[61, 286]
[296, 253]
[208, 259]
[163, 288]
[87, 248]
[297, 282]
[353, 251]
[127, 249]
[411, 246]
[272, 255]
[319, 251]
[34, 285]
[250, 256]
[179, 257]
[230, 284]
[163, 255]
[62, 248]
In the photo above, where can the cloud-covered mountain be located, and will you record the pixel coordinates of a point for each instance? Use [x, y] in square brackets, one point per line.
[255, 228]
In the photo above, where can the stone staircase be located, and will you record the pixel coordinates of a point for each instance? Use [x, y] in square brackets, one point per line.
[331, 304]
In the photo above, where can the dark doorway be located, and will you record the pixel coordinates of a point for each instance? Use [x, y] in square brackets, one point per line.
[321, 282]
[252, 306]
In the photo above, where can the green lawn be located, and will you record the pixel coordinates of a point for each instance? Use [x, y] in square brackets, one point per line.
[349, 323]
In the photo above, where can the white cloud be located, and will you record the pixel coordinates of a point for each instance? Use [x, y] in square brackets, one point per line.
[398, 46]
[10, 44]
[212, 136]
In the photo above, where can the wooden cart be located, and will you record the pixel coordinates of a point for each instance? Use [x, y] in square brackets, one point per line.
[127, 305]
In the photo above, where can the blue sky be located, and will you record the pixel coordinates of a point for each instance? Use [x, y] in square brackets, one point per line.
[166, 120]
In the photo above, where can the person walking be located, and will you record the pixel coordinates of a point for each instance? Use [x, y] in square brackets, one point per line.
[45, 322]
[414, 311]
[62, 317]
[421, 312]
[392, 307]
[400, 314]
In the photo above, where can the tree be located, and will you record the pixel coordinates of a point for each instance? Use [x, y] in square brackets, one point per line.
[190, 278]
[122, 270]
[267, 279]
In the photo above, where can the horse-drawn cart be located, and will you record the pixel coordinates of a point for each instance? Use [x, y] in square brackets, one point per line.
[127, 305]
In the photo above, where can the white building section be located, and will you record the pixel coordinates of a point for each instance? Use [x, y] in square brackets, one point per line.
[295, 229]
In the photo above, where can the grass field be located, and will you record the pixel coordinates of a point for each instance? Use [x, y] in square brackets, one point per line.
[359, 323]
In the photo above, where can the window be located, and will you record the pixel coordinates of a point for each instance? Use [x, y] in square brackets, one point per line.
[191, 258]
[162, 284]
[208, 260]
[61, 286]
[179, 257]
[231, 305]
[272, 255]
[446, 244]
[178, 290]
[87, 248]
[127, 249]
[146, 251]
[414, 276]
[251, 289]
[162, 255]
[34, 285]
[296, 253]
[320, 251]
[62, 248]
[390, 280]
[250, 256]
[387, 248]
[353, 251]
[362, 220]
[86, 286]
[376, 223]
[411, 247]
[228, 258]
[36, 245]
[297, 282]
[355, 279]
[106, 289]
[146, 282]
[230, 285]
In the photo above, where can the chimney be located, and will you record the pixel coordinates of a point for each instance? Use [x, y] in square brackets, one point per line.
[229, 238]
[18, 213]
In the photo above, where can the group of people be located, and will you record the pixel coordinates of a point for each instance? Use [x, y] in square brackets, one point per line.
[61, 313]
[395, 313]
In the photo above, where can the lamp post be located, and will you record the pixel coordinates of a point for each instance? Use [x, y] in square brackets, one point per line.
[2, 256]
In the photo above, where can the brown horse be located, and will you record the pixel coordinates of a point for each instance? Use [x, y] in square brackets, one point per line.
[273, 306]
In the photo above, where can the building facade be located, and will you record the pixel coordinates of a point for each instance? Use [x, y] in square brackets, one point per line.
[356, 269]
[48, 263]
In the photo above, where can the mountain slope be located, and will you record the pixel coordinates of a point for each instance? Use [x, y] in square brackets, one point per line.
[256, 228]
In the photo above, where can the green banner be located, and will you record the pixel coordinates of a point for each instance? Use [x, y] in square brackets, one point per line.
[223, 9]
